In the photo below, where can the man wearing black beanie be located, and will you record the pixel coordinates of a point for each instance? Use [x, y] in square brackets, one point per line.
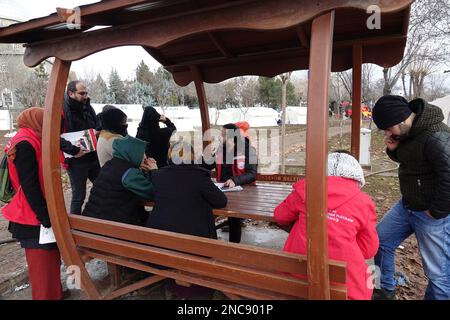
[419, 141]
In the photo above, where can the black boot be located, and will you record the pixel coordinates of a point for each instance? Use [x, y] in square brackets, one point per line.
[382, 294]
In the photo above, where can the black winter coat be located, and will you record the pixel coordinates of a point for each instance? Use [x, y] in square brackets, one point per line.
[157, 138]
[184, 199]
[77, 117]
[110, 200]
[424, 159]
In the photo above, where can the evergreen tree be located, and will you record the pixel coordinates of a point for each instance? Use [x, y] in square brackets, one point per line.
[143, 73]
[41, 73]
[140, 93]
[98, 90]
[116, 90]
[269, 93]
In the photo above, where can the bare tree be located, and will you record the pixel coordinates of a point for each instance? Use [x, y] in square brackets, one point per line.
[284, 81]
[436, 87]
[427, 33]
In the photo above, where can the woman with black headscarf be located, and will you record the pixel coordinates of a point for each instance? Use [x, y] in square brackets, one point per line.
[114, 125]
[157, 138]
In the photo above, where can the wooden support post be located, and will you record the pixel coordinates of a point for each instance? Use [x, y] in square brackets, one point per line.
[356, 99]
[52, 175]
[203, 103]
[316, 156]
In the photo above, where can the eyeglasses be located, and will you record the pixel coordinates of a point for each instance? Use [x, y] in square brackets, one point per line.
[82, 93]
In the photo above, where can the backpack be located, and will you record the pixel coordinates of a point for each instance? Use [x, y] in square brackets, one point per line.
[6, 189]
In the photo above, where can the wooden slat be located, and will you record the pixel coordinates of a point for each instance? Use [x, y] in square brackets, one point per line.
[224, 251]
[133, 287]
[316, 156]
[224, 286]
[219, 45]
[195, 264]
[240, 254]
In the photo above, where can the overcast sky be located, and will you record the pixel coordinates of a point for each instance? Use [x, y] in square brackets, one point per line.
[124, 59]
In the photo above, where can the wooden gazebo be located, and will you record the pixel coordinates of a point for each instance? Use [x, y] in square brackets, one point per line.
[211, 41]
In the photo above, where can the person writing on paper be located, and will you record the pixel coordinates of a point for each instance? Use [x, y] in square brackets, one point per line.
[28, 209]
[352, 234]
[124, 181]
[236, 165]
[78, 115]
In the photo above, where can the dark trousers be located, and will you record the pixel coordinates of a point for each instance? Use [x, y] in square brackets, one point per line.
[44, 273]
[79, 171]
[235, 229]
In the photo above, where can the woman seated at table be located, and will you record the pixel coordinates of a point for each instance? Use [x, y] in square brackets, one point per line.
[123, 182]
[236, 164]
[185, 195]
[352, 234]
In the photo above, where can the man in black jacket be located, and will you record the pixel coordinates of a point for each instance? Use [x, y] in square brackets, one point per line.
[419, 141]
[78, 115]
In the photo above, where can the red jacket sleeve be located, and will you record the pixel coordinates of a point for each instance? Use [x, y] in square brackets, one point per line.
[287, 212]
[367, 237]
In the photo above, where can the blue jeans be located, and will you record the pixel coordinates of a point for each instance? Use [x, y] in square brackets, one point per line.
[433, 237]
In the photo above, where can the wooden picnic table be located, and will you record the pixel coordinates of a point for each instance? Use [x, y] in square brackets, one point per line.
[256, 202]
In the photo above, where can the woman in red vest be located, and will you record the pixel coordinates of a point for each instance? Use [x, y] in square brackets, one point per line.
[28, 209]
[236, 165]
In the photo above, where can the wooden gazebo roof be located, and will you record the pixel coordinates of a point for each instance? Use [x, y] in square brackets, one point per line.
[211, 41]
[214, 36]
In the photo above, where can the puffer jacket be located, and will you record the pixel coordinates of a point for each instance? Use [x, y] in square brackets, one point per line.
[424, 158]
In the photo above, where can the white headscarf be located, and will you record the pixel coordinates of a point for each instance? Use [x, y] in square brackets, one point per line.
[345, 166]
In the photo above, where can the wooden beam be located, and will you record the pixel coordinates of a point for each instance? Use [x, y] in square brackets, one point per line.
[52, 174]
[284, 14]
[156, 54]
[219, 45]
[203, 104]
[356, 99]
[304, 41]
[316, 156]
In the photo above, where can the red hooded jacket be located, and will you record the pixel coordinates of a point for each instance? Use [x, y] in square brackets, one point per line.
[352, 234]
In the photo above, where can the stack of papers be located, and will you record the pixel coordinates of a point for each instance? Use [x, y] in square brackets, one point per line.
[46, 235]
[84, 139]
[226, 189]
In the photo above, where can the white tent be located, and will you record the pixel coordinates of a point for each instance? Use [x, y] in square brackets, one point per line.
[444, 104]
[133, 111]
[5, 120]
[260, 117]
[296, 115]
[230, 115]
[185, 119]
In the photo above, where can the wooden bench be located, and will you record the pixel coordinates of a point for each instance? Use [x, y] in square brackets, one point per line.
[237, 270]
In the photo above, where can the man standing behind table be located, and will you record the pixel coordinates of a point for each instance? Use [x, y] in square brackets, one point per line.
[78, 115]
[416, 137]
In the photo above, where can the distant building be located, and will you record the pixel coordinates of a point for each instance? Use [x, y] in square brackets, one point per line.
[13, 72]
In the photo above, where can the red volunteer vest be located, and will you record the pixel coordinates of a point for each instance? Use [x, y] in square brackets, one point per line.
[18, 210]
[238, 166]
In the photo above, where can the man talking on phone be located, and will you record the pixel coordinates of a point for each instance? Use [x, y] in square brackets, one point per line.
[419, 141]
